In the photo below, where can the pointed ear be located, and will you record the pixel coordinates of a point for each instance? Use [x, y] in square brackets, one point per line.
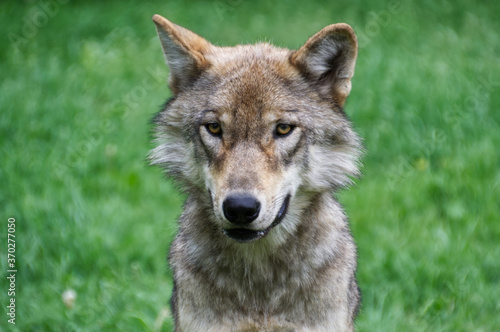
[328, 59]
[184, 51]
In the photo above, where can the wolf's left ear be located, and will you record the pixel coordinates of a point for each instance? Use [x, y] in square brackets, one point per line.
[184, 51]
[328, 59]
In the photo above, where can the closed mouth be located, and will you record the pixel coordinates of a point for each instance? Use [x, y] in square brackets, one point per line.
[244, 235]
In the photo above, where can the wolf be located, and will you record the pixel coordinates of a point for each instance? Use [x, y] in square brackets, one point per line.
[256, 137]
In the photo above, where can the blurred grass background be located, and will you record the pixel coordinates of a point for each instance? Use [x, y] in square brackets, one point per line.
[79, 81]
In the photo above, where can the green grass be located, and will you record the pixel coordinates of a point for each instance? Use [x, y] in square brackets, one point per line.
[75, 101]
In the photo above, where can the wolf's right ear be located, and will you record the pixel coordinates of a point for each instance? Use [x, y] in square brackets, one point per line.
[184, 51]
[328, 59]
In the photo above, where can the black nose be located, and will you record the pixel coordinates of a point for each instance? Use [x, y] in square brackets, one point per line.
[241, 209]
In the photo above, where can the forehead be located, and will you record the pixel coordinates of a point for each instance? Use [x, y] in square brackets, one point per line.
[253, 77]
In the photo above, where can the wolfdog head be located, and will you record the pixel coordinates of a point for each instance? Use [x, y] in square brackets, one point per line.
[255, 132]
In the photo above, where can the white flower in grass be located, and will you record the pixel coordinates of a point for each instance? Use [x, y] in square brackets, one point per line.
[69, 298]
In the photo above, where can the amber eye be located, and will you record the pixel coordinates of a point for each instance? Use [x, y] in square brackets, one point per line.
[283, 129]
[214, 128]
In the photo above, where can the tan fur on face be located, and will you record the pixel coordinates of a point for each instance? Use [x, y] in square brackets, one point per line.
[249, 159]
[301, 275]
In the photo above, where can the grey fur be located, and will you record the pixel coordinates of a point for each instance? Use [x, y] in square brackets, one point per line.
[301, 275]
